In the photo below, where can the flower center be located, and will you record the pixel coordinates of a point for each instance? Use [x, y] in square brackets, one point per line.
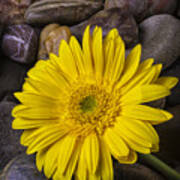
[92, 106]
[88, 104]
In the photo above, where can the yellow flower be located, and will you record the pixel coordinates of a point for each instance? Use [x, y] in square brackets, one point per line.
[86, 105]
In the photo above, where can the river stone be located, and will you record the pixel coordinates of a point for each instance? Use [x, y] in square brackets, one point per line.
[142, 9]
[22, 167]
[12, 76]
[109, 19]
[12, 11]
[169, 135]
[135, 172]
[19, 43]
[62, 11]
[50, 39]
[160, 39]
[174, 70]
[9, 141]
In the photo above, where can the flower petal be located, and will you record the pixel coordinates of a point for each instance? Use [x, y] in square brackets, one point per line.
[146, 113]
[91, 150]
[116, 144]
[106, 164]
[40, 159]
[67, 62]
[146, 64]
[98, 56]
[65, 152]
[131, 65]
[166, 81]
[130, 159]
[87, 51]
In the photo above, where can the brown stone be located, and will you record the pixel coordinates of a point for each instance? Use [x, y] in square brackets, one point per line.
[109, 19]
[50, 39]
[12, 11]
[61, 11]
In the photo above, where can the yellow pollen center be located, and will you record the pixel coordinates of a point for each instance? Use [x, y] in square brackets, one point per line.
[91, 106]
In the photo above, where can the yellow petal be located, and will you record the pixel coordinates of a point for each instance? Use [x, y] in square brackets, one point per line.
[130, 159]
[44, 137]
[145, 77]
[144, 93]
[115, 143]
[87, 51]
[146, 64]
[25, 134]
[98, 56]
[78, 55]
[91, 150]
[166, 81]
[40, 158]
[146, 113]
[65, 152]
[131, 65]
[106, 164]
[158, 71]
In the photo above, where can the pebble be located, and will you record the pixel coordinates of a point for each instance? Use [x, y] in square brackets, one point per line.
[9, 141]
[50, 39]
[160, 39]
[22, 167]
[12, 11]
[174, 70]
[142, 9]
[12, 76]
[62, 11]
[112, 18]
[169, 135]
[19, 43]
[135, 171]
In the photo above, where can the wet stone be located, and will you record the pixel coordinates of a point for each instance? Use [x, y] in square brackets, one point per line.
[174, 70]
[142, 9]
[22, 167]
[12, 11]
[169, 135]
[9, 141]
[160, 39]
[19, 43]
[108, 19]
[67, 12]
[50, 39]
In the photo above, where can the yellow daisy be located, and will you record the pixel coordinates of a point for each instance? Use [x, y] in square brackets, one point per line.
[86, 105]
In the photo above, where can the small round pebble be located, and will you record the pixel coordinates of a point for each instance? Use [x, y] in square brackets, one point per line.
[19, 43]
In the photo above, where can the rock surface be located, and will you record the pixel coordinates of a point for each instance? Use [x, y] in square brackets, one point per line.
[108, 19]
[12, 76]
[62, 11]
[160, 38]
[135, 172]
[142, 9]
[12, 11]
[9, 141]
[174, 70]
[21, 167]
[50, 39]
[20, 43]
[169, 135]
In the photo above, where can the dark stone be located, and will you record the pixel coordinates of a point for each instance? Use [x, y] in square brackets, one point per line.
[12, 11]
[9, 141]
[142, 9]
[11, 76]
[135, 172]
[21, 167]
[109, 19]
[174, 70]
[169, 136]
[20, 43]
[66, 12]
[160, 39]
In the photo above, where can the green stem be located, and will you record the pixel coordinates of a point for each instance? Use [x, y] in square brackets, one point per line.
[160, 166]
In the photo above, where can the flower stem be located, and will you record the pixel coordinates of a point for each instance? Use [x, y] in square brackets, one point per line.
[160, 166]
